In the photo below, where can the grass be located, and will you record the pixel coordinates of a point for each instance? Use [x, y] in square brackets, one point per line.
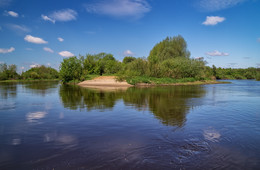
[143, 80]
[157, 81]
[88, 77]
[91, 76]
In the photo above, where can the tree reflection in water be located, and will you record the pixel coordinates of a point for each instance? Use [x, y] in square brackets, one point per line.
[169, 104]
[41, 87]
[8, 90]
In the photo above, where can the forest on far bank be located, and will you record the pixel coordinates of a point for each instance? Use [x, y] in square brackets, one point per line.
[169, 58]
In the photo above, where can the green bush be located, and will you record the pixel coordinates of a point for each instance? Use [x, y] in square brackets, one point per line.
[258, 76]
[169, 48]
[70, 69]
[8, 72]
[41, 72]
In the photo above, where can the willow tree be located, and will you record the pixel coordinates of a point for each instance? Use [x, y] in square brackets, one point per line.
[70, 69]
[169, 48]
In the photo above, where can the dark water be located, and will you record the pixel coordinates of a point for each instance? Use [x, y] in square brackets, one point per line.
[50, 126]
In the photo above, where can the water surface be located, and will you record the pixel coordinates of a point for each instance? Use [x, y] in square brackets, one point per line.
[51, 126]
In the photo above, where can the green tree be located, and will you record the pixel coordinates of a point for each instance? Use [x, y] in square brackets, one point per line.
[128, 59]
[90, 63]
[8, 72]
[214, 70]
[3, 71]
[182, 68]
[40, 72]
[100, 63]
[169, 48]
[258, 76]
[70, 69]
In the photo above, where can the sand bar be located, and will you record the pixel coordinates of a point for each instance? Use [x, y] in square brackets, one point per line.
[105, 81]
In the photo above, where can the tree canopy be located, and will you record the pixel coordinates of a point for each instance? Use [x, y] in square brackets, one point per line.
[8, 72]
[41, 72]
[70, 69]
[169, 48]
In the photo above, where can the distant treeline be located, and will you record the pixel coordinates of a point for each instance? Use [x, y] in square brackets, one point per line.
[236, 73]
[9, 72]
[169, 58]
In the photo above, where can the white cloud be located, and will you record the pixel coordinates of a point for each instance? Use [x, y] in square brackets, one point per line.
[213, 20]
[217, 53]
[215, 5]
[120, 8]
[35, 40]
[46, 18]
[60, 39]
[22, 68]
[4, 50]
[64, 15]
[128, 53]
[61, 15]
[11, 13]
[18, 28]
[66, 54]
[49, 64]
[48, 49]
[35, 65]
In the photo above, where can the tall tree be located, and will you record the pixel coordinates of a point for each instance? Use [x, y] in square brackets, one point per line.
[169, 48]
[70, 69]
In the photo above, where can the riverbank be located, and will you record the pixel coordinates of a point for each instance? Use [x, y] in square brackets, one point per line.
[114, 82]
[27, 80]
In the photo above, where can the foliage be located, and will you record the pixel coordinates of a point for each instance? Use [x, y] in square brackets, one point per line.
[137, 67]
[153, 80]
[258, 76]
[101, 63]
[74, 69]
[170, 58]
[169, 48]
[41, 72]
[182, 68]
[8, 72]
[70, 69]
[128, 59]
[229, 73]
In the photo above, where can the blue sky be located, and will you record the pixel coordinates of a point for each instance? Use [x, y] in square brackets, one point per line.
[32, 32]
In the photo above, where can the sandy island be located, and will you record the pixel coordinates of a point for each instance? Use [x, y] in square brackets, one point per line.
[106, 83]
[110, 83]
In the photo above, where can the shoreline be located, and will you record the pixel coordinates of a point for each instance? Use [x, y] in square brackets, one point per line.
[17, 81]
[205, 82]
[111, 82]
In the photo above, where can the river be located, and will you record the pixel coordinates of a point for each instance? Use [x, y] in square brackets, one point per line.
[47, 125]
